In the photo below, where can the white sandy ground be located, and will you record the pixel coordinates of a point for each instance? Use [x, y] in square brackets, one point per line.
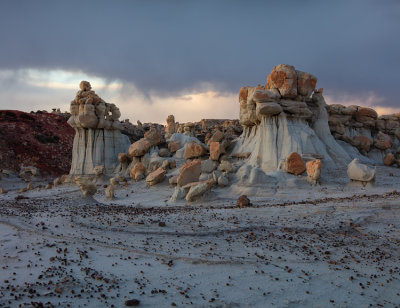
[298, 246]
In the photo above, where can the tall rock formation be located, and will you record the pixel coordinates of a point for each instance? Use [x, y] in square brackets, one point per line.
[282, 117]
[98, 139]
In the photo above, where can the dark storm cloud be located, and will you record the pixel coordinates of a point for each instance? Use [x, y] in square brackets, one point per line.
[167, 47]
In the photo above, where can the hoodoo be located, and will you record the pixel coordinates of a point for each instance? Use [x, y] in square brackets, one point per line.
[282, 117]
[98, 139]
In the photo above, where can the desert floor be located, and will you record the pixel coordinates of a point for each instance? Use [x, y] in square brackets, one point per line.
[333, 245]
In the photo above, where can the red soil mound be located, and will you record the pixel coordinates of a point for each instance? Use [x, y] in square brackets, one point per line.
[39, 139]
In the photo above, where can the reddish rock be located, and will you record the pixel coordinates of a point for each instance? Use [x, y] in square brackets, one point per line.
[194, 150]
[305, 83]
[389, 159]
[40, 139]
[366, 116]
[243, 92]
[284, 78]
[294, 164]
[174, 146]
[137, 172]
[156, 176]
[139, 148]
[218, 136]
[189, 172]
[362, 143]
[153, 136]
[314, 168]
[216, 150]
[243, 201]
[382, 141]
[122, 157]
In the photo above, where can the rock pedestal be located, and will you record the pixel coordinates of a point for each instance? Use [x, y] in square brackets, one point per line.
[98, 139]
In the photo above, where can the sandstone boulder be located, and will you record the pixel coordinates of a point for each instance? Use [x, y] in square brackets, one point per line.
[198, 190]
[296, 109]
[216, 150]
[366, 116]
[243, 201]
[137, 172]
[194, 150]
[122, 157]
[362, 143]
[263, 96]
[189, 172]
[218, 136]
[153, 136]
[156, 177]
[139, 148]
[389, 159]
[87, 188]
[283, 77]
[268, 109]
[294, 164]
[382, 141]
[110, 192]
[174, 146]
[305, 83]
[314, 168]
[357, 171]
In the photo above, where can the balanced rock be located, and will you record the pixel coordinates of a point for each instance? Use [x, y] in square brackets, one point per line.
[295, 164]
[357, 171]
[189, 172]
[283, 77]
[156, 176]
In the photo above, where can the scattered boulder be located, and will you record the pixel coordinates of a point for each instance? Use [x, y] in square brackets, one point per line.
[57, 182]
[173, 180]
[87, 188]
[174, 146]
[223, 180]
[164, 152]
[27, 172]
[243, 201]
[194, 150]
[156, 177]
[3, 190]
[294, 164]
[208, 166]
[314, 168]
[139, 148]
[198, 190]
[153, 136]
[225, 166]
[109, 192]
[389, 159]
[137, 172]
[362, 143]
[383, 141]
[189, 172]
[357, 171]
[178, 194]
[216, 150]
[218, 136]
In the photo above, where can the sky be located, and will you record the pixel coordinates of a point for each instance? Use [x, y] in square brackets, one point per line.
[189, 58]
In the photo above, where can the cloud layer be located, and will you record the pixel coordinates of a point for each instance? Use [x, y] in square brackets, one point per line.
[171, 48]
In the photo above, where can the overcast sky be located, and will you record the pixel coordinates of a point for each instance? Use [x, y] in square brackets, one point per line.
[189, 58]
